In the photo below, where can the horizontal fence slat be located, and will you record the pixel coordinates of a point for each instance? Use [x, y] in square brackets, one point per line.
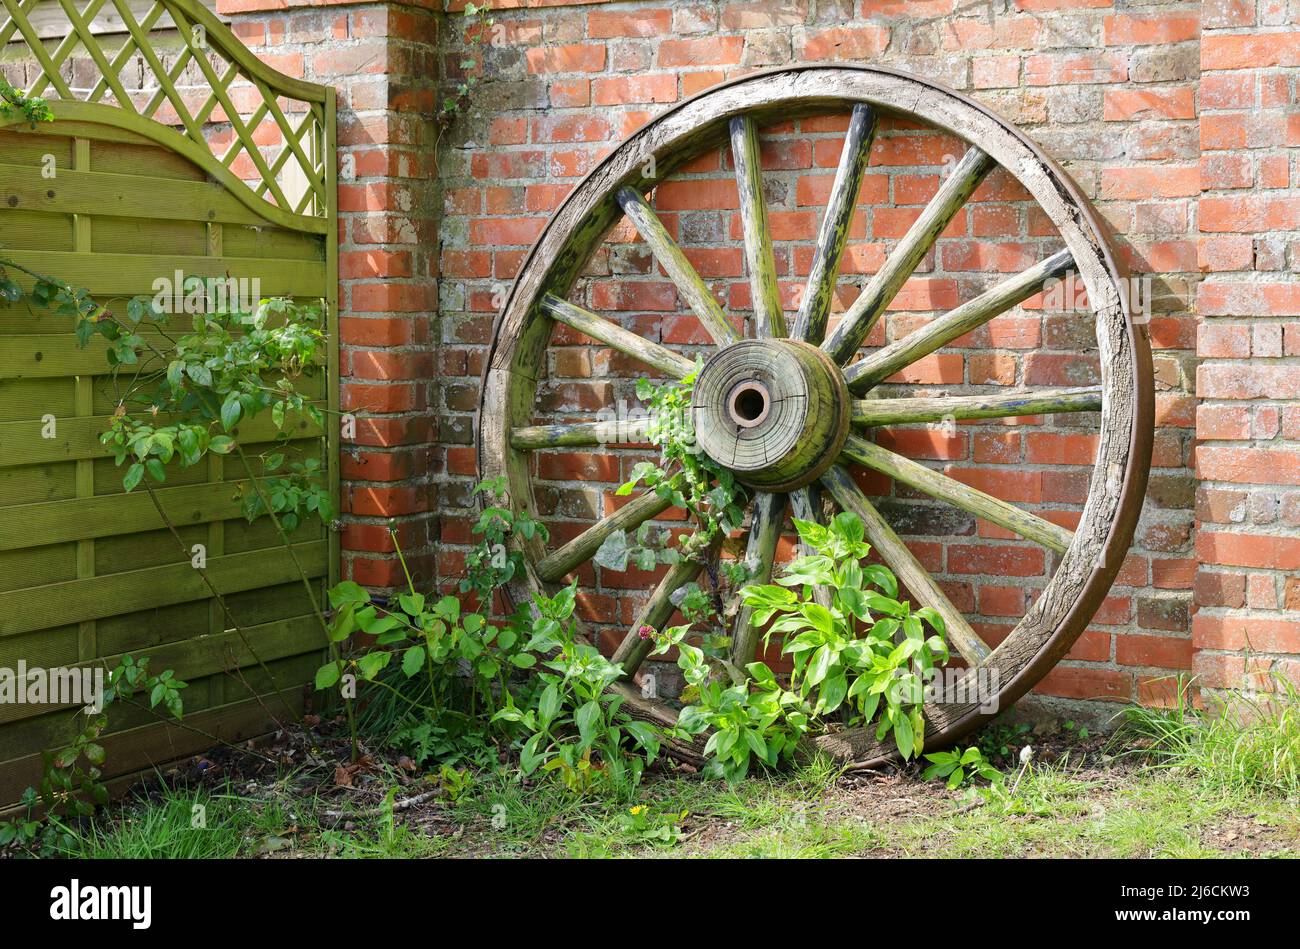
[203, 655]
[21, 443]
[147, 746]
[134, 274]
[98, 193]
[74, 601]
[53, 522]
[56, 355]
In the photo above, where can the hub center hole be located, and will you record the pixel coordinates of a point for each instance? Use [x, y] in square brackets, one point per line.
[749, 404]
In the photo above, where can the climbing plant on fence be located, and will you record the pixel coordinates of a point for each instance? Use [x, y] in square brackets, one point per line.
[177, 210]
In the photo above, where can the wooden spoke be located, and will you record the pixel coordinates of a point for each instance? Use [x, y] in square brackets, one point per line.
[687, 280]
[905, 566]
[887, 360]
[760, 551]
[631, 652]
[581, 434]
[665, 360]
[969, 499]
[806, 505]
[583, 547]
[902, 262]
[815, 307]
[769, 318]
[869, 412]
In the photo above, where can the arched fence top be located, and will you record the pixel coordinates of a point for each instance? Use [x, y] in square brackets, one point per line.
[177, 75]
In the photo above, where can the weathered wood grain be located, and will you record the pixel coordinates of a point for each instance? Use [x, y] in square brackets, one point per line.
[760, 551]
[583, 547]
[769, 318]
[903, 259]
[871, 412]
[815, 307]
[963, 496]
[806, 505]
[606, 331]
[581, 434]
[685, 277]
[884, 362]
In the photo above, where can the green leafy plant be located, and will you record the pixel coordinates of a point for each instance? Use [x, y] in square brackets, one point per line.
[753, 721]
[860, 660]
[494, 561]
[71, 785]
[231, 368]
[575, 727]
[684, 474]
[1076, 729]
[15, 102]
[956, 766]
[643, 825]
[999, 739]
[1241, 740]
[867, 649]
[646, 548]
[456, 782]
[479, 26]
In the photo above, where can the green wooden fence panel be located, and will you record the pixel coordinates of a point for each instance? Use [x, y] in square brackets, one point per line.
[130, 184]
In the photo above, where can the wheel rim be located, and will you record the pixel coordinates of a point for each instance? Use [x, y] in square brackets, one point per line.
[1090, 556]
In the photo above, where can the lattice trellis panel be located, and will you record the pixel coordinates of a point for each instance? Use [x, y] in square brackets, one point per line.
[177, 65]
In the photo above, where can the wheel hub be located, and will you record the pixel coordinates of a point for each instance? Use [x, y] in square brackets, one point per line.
[775, 412]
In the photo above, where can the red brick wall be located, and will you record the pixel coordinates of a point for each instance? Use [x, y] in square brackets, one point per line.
[1178, 120]
[1248, 420]
[383, 60]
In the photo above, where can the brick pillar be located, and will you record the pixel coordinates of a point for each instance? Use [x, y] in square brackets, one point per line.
[382, 60]
[1248, 422]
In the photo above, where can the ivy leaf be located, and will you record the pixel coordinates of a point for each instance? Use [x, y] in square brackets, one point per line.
[199, 373]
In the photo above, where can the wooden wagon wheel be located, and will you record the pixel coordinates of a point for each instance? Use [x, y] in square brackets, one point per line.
[779, 409]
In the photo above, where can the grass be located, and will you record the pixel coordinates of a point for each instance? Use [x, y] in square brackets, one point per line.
[1056, 810]
[175, 824]
[1243, 742]
[1178, 782]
